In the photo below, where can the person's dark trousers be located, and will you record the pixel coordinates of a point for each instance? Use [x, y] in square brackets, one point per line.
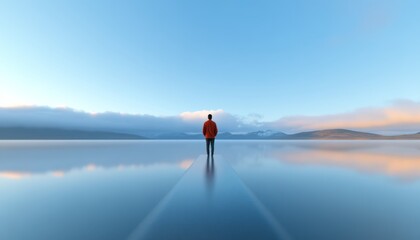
[208, 142]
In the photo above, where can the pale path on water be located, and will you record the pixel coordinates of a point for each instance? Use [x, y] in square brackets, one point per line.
[209, 202]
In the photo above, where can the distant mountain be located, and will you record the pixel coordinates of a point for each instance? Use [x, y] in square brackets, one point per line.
[251, 135]
[334, 134]
[13, 133]
[329, 134]
[224, 135]
[268, 134]
[178, 135]
[415, 136]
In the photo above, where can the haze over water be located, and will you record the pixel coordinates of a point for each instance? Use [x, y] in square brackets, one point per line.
[313, 189]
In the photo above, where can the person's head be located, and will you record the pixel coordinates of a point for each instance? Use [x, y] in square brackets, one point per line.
[210, 116]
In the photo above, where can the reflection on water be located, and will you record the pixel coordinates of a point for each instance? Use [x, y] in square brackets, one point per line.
[189, 212]
[336, 189]
[22, 159]
[393, 164]
[85, 189]
[14, 175]
[398, 159]
[104, 189]
[210, 168]
[185, 164]
[210, 171]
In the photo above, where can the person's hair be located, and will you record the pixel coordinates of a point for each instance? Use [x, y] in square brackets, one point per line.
[210, 116]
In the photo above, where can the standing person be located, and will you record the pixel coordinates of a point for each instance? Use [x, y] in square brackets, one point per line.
[210, 132]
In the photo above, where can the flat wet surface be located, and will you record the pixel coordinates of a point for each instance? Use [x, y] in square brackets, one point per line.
[209, 202]
[273, 189]
[336, 189]
[85, 189]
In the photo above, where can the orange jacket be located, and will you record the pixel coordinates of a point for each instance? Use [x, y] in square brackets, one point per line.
[209, 129]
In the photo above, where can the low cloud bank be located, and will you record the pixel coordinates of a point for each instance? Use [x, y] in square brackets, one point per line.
[68, 118]
[401, 116]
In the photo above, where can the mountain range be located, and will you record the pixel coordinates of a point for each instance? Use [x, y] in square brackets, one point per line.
[20, 133]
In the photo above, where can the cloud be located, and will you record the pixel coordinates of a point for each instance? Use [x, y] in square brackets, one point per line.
[399, 117]
[200, 115]
[148, 125]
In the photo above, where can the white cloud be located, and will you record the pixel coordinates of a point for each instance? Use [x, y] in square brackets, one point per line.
[130, 123]
[401, 116]
[200, 115]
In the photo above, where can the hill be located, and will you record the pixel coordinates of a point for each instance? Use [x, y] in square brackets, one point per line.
[16, 133]
[335, 134]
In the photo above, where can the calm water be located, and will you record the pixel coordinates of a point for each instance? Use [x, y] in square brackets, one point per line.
[272, 189]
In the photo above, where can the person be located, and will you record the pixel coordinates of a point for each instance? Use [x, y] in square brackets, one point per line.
[210, 133]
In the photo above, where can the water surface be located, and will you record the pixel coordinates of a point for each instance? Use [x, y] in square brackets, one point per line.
[310, 189]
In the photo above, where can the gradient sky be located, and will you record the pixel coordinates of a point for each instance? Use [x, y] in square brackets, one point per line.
[271, 58]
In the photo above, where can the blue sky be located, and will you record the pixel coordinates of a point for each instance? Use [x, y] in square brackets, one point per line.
[270, 58]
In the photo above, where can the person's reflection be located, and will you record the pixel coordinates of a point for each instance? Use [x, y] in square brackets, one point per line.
[210, 172]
